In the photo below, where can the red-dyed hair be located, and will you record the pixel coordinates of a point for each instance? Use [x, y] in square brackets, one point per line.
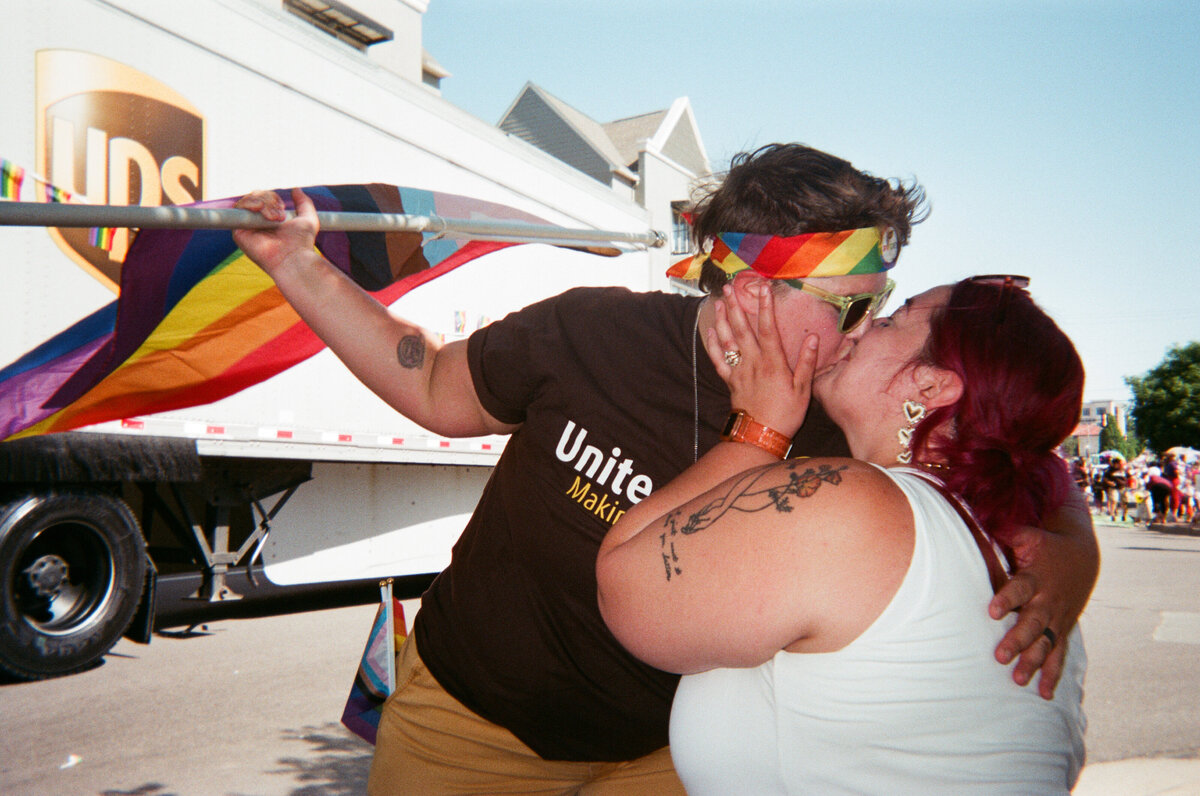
[1022, 391]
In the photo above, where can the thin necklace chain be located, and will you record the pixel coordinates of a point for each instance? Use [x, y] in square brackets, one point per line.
[695, 390]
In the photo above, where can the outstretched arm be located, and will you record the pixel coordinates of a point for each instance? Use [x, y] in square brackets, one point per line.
[1056, 571]
[399, 361]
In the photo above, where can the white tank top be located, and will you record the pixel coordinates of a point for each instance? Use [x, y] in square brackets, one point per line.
[916, 704]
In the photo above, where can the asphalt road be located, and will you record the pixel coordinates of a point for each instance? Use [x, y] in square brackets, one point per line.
[252, 706]
[1142, 633]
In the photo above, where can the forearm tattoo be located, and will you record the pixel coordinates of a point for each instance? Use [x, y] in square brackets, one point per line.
[411, 352]
[747, 495]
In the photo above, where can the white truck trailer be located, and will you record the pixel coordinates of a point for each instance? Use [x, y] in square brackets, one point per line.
[150, 102]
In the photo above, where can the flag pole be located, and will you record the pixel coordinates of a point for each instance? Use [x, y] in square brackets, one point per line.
[50, 214]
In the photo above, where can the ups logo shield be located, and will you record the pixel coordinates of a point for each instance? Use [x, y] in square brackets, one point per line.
[109, 134]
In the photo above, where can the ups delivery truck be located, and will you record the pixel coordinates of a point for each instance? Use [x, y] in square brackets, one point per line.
[142, 102]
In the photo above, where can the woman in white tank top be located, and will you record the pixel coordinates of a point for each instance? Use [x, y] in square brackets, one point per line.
[830, 615]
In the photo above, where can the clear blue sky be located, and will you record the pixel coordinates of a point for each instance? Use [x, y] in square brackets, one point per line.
[1057, 139]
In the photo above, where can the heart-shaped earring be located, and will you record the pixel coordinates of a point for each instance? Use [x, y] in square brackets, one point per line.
[914, 411]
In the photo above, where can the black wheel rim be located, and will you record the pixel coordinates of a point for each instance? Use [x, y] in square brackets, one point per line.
[64, 578]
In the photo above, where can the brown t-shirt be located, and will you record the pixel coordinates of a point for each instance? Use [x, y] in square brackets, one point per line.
[603, 384]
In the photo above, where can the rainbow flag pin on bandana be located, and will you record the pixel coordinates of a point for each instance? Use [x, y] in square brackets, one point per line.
[854, 251]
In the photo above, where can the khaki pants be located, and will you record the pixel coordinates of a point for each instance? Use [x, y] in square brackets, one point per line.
[429, 743]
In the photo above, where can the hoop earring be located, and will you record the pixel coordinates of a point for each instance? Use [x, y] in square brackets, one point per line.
[914, 411]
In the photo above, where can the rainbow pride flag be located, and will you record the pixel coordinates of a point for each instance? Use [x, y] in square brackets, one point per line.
[56, 194]
[11, 177]
[197, 320]
[375, 679]
[102, 237]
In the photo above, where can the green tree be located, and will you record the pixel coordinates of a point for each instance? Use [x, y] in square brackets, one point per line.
[1166, 401]
[1111, 438]
[1133, 442]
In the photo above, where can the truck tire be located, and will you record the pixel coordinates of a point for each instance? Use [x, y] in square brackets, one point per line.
[72, 569]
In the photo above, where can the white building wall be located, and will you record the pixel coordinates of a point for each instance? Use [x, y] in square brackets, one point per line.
[402, 54]
[1094, 411]
[662, 182]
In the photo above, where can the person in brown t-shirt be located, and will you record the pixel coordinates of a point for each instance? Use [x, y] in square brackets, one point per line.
[510, 682]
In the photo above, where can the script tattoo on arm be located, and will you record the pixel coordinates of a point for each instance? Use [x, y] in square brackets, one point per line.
[747, 495]
[411, 352]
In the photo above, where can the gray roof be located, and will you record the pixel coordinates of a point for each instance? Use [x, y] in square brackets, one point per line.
[592, 130]
[601, 150]
[555, 127]
[630, 135]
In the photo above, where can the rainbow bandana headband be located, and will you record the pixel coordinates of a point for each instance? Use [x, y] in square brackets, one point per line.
[854, 251]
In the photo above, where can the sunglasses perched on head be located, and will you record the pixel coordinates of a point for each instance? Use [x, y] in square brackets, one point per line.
[854, 309]
[1007, 283]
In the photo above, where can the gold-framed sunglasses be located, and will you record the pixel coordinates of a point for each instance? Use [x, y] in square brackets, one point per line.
[853, 309]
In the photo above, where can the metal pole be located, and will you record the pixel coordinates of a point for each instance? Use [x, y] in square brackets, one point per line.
[49, 214]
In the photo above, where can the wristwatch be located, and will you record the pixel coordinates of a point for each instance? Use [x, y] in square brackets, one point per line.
[740, 427]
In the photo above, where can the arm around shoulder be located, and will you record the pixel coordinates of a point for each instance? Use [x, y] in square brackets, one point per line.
[1056, 571]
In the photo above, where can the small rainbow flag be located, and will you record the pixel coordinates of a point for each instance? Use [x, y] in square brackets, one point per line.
[11, 177]
[102, 237]
[56, 194]
[375, 679]
[197, 320]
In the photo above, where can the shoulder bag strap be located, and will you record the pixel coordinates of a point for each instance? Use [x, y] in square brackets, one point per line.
[996, 571]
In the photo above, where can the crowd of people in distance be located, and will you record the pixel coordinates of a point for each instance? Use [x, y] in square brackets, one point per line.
[1147, 489]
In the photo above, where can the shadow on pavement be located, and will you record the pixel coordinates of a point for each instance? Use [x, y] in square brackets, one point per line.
[338, 762]
[149, 789]
[1157, 549]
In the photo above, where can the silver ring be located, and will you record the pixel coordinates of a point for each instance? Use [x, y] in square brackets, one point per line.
[1050, 634]
[733, 358]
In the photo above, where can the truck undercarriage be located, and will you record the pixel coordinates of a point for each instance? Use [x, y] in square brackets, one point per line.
[88, 521]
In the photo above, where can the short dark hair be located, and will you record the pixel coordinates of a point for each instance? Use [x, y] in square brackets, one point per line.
[793, 189]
